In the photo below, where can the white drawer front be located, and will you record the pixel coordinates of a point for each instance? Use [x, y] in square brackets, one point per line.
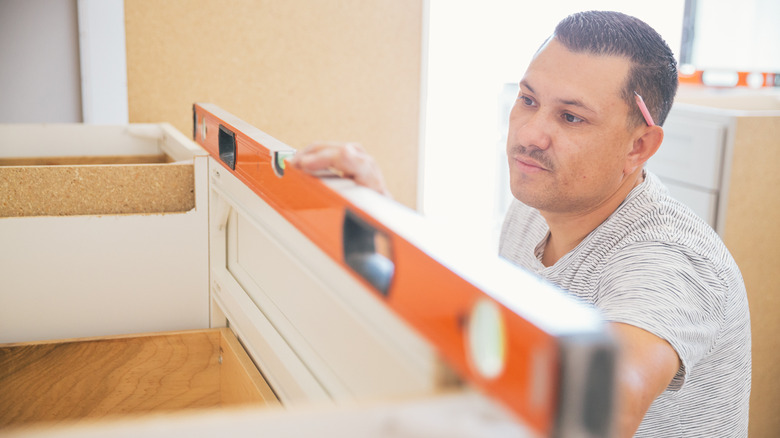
[692, 152]
[351, 344]
[703, 202]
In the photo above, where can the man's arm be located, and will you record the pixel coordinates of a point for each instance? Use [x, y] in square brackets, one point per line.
[647, 363]
[646, 367]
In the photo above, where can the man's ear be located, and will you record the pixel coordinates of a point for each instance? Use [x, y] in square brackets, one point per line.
[645, 145]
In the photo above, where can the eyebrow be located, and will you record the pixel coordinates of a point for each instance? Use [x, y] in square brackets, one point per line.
[571, 102]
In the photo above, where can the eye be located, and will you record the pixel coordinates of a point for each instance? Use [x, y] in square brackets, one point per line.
[527, 101]
[571, 118]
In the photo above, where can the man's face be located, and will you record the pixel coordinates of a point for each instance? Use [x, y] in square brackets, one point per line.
[568, 131]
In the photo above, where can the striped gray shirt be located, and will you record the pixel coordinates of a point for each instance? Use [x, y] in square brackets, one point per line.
[655, 265]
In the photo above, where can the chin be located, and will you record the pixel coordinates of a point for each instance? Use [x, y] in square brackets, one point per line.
[540, 199]
[523, 195]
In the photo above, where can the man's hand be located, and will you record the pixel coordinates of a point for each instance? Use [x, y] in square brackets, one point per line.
[647, 365]
[348, 159]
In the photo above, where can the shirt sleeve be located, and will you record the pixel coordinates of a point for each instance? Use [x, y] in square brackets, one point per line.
[675, 295]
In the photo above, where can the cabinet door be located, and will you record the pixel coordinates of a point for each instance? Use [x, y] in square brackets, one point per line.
[703, 202]
[692, 151]
[314, 330]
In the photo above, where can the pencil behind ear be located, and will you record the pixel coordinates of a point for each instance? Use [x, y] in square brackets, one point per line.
[643, 108]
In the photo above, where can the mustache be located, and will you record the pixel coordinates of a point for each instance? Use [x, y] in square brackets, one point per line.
[534, 154]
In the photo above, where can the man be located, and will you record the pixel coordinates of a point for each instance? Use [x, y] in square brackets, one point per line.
[589, 218]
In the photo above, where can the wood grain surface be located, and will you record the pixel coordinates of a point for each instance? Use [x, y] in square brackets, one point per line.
[240, 382]
[88, 379]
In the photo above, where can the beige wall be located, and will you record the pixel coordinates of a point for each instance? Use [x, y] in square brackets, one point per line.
[752, 234]
[300, 70]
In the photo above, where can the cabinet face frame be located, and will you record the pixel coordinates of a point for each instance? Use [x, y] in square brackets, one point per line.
[259, 303]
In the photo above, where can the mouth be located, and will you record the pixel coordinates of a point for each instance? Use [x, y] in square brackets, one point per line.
[527, 164]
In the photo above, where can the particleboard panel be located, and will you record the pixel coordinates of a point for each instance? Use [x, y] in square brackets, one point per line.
[80, 379]
[66, 190]
[301, 70]
[64, 161]
[752, 234]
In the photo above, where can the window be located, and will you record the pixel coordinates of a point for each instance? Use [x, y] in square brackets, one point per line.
[477, 51]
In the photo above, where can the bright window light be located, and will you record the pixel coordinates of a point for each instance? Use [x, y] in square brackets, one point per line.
[474, 50]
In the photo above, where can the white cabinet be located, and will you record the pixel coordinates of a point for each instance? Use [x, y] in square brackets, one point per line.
[720, 157]
[316, 333]
[691, 159]
[694, 161]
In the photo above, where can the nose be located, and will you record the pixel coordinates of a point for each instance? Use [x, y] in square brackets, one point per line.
[529, 129]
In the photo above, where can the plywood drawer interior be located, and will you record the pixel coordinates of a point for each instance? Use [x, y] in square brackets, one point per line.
[115, 170]
[78, 379]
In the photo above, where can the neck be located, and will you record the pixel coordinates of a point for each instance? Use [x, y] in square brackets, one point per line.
[568, 229]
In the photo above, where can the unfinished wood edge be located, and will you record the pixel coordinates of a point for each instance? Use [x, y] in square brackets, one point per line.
[208, 331]
[103, 160]
[240, 380]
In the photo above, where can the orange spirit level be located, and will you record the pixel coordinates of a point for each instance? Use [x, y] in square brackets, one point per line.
[518, 338]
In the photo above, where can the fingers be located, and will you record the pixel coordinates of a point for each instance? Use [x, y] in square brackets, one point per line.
[322, 156]
[348, 159]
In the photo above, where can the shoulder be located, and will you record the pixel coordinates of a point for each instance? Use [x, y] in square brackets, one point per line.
[668, 272]
[651, 224]
[657, 242]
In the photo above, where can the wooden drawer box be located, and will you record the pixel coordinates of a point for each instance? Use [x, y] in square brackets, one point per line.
[104, 231]
[91, 378]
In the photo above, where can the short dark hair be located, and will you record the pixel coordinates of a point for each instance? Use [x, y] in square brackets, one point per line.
[654, 71]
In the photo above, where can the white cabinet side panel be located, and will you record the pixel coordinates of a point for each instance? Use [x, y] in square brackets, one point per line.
[63, 277]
